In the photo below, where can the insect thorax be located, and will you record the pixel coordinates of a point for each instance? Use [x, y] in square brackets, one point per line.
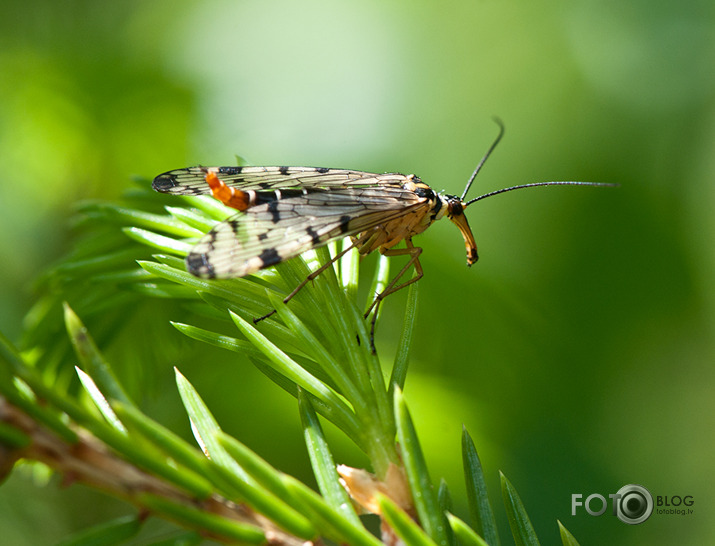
[429, 207]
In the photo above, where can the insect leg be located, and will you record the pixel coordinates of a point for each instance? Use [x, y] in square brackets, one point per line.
[414, 253]
[311, 277]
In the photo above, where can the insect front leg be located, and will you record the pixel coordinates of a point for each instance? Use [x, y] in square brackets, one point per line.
[414, 253]
[310, 277]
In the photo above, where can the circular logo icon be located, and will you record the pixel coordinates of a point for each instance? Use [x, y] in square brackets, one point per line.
[635, 504]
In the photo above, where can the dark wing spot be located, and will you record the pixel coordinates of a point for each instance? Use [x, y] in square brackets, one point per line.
[199, 266]
[164, 183]
[344, 221]
[316, 238]
[263, 197]
[283, 170]
[322, 170]
[230, 170]
[290, 192]
[273, 209]
[269, 257]
[263, 236]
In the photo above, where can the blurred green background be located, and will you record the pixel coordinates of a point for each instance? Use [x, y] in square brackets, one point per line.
[578, 351]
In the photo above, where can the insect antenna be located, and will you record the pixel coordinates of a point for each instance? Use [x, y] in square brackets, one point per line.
[484, 159]
[520, 186]
[534, 184]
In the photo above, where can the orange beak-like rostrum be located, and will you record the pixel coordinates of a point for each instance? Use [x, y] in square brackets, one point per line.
[455, 212]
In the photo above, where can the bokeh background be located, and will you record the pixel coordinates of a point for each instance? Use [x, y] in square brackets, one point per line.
[578, 351]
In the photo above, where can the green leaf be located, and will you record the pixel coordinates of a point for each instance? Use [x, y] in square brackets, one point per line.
[175, 262]
[109, 212]
[186, 538]
[160, 242]
[465, 534]
[169, 442]
[205, 522]
[143, 454]
[402, 355]
[330, 522]
[349, 272]
[105, 261]
[161, 290]
[105, 534]
[224, 342]
[100, 401]
[322, 461]
[212, 207]
[521, 528]
[423, 494]
[258, 468]
[93, 363]
[250, 307]
[480, 509]
[264, 502]
[379, 281]
[191, 218]
[14, 371]
[125, 276]
[204, 426]
[310, 344]
[293, 371]
[246, 294]
[444, 499]
[11, 364]
[207, 431]
[402, 524]
[12, 438]
[567, 538]
[40, 413]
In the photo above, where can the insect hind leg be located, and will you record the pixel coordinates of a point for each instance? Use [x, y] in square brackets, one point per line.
[414, 253]
[310, 277]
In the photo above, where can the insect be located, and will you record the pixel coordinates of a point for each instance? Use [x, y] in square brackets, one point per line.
[285, 211]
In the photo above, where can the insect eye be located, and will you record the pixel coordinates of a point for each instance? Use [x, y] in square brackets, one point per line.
[454, 206]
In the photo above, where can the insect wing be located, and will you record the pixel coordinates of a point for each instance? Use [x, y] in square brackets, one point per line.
[282, 227]
[192, 180]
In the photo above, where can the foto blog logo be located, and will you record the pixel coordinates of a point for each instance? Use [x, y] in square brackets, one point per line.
[632, 504]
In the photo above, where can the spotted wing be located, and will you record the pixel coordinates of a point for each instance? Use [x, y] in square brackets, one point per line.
[191, 181]
[287, 223]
